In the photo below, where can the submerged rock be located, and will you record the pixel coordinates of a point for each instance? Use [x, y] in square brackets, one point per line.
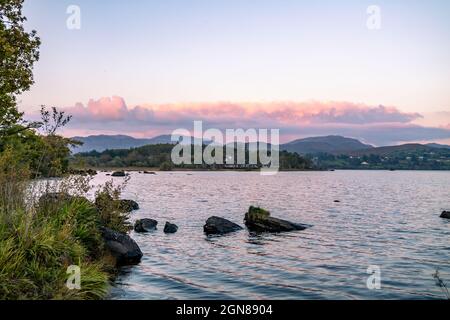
[259, 220]
[217, 225]
[124, 249]
[445, 214]
[145, 225]
[118, 174]
[170, 228]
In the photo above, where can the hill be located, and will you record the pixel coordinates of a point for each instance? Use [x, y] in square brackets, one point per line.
[437, 145]
[327, 144]
[101, 143]
[391, 150]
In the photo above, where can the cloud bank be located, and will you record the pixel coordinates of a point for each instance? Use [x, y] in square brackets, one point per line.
[379, 125]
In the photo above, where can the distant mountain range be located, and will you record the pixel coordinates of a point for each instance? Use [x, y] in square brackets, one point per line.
[312, 145]
[328, 144]
[101, 143]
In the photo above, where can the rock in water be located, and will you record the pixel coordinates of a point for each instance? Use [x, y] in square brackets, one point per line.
[118, 174]
[124, 249]
[445, 214]
[217, 225]
[259, 220]
[128, 205]
[145, 225]
[170, 228]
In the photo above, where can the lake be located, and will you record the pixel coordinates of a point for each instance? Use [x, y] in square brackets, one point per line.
[385, 219]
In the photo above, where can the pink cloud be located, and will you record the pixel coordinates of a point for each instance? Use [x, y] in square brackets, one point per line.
[374, 124]
[281, 112]
[112, 109]
[115, 108]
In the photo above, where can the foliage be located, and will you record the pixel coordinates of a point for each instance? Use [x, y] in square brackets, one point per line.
[414, 159]
[159, 156]
[39, 240]
[18, 53]
[40, 236]
[111, 214]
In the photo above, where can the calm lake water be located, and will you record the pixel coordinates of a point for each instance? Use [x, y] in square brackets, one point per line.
[386, 219]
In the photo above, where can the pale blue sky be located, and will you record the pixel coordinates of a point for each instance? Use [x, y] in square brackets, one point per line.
[306, 67]
[242, 50]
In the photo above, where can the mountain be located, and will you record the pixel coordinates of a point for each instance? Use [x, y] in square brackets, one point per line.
[101, 143]
[327, 144]
[437, 145]
[410, 148]
[104, 142]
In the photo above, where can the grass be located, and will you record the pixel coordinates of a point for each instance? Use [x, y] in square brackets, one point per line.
[40, 240]
[441, 284]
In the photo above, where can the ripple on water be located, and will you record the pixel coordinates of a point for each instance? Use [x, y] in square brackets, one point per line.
[391, 223]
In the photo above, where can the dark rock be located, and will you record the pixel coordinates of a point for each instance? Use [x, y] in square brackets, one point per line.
[128, 205]
[91, 172]
[337, 201]
[87, 172]
[445, 214]
[170, 228]
[149, 172]
[217, 225]
[145, 225]
[259, 220]
[118, 174]
[124, 249]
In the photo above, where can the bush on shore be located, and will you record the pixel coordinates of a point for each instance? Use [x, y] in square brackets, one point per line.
[39, 242]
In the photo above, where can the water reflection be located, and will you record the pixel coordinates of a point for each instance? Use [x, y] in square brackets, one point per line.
[390, 219]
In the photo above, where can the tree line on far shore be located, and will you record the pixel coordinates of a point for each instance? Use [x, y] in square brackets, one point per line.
[159, 156]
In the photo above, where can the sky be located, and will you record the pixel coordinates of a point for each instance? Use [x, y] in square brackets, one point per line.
[146, 67]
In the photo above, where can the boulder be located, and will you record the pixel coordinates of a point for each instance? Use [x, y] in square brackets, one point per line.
[170, 228]
[118, 174]
[217, 225]
[81, 172]
[259, 220]
[145, 225]
[128, 205]
[124, 249]
[445, 214]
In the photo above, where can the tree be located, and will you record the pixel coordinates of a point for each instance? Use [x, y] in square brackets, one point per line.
[19, 50]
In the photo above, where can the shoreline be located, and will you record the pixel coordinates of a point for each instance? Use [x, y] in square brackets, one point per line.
[151, 169]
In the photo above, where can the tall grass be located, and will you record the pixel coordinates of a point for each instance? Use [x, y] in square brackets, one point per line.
[39, 240]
